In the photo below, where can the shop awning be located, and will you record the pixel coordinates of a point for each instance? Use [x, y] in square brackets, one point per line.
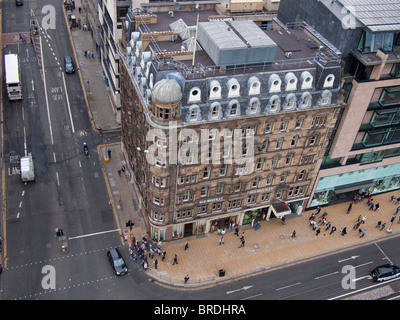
[280, 209]
[354, 186]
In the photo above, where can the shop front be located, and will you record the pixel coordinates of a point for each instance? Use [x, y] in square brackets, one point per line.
[343, 187]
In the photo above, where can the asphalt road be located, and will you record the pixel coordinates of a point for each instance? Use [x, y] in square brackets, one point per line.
[69, 190]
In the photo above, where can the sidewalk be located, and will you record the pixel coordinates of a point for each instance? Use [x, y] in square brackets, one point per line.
[267, 248]
[96, 91]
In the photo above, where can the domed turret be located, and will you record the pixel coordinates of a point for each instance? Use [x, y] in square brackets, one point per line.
[167, 91]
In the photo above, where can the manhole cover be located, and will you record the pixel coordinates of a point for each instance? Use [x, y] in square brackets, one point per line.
[255, 246]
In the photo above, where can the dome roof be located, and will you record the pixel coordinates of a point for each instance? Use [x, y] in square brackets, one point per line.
[167, 91]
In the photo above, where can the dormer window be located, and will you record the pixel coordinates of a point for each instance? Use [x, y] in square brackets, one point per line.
[290, 81]
[233, 88]
[194, 95]
[274, 83]
[254, 86]
[215, 90]
[306, 80]
[329, 80]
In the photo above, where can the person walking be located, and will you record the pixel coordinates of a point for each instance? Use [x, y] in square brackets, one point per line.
[163, 255]
[333, 230]
[371, 206]
[349, 208]
[363, 219]
[242, 244]
[328, 225]
[293, 235]
[377, 206]
[344, 231]
[378, 224]
[382, 226]
[155, 264]
[223, 232]
[318, 231]
[397, 210]
[237, 231]
[363, 233]
[175, 260]
[221, 241]
[186, 279]
[186, 245]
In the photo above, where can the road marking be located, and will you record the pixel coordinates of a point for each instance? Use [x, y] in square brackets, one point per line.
[241, 289]
[68, 105]
[93, 234]
[351, 258]
[292, 285]
[326, 275]
[257, 295]
[384, 254]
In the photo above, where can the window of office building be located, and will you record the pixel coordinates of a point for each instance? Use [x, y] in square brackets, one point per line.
[372, 42]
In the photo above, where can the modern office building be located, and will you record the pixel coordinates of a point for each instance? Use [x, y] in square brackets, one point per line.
[226, 129]
[364, 153]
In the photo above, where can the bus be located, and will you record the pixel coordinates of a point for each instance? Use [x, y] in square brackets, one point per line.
[13, 81]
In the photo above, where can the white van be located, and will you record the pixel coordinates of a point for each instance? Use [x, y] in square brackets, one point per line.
[27, 168]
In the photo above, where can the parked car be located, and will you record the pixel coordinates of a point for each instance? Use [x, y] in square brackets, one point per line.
[117, 262]
[385, 272]
[69, 65]
[19, 2]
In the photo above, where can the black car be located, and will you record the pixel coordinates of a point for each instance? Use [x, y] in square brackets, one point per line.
[19, 2]
[385, 272]
[69, 65]
[117, 262]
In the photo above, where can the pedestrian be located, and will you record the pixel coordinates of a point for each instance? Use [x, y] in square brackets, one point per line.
[163, 256]
[218, 231]
[377, 206]
[186, 245]
[359, 218]
[237, 231]
[318, 231]
[344, 231]
[175, 260]
[328, 225]
[109, 153]
[258, 225]
[357, 225]
[221, 241]
[391, 220]
[293, 235]
[349, 208]
[186, 279]
[155, 264]
[397, 200]
[223, 232]
[363, 233]
[378, 224]
[242, 244]
[382, 227]
[318, 210]
[56, 230]
[79, 9]
[283, 220]
[92, 54]
[392, 199]
[333, 230]
[85, 53]
[397, 210]
[363, 219]
[371, 206]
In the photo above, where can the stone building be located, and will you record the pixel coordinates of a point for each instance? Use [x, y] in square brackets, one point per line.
[226, 129]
